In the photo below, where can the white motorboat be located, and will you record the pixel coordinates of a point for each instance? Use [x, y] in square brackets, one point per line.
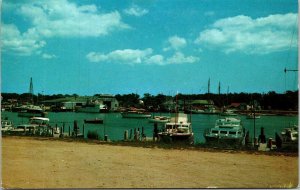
[226, 130]
[31, 111]
[178, 129]
[159, 119]
[253, 116]
[6, 125]
[135, 113]
[36, 125]
[228, 113]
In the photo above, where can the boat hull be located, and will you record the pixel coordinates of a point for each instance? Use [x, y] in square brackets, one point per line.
[32, 114]
[176, 137]
[135, 115]
[94, 121]
[223, 141]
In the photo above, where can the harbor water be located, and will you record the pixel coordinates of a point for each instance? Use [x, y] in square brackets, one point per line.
[114, 125]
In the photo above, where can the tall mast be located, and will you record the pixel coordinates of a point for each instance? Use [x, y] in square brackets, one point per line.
[219, 88]
[288, 70]
[31, 90]
[208, 86]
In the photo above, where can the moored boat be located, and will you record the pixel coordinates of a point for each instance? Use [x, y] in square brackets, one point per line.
[228, 113]
[178, 129]
[136, 113]
[253, 116]
[94, 121]
[36, 125]
[6, 125]
[31, 111]
[159, 119]
[227, 131]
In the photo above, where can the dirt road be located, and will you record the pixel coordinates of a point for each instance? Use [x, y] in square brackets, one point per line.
[31, 163]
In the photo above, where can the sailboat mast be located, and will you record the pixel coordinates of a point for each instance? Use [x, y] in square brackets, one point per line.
[176, 109]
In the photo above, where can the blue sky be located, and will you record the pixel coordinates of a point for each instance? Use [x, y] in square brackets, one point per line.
[166, 46]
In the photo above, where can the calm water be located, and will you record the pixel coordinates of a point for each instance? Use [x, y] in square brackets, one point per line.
[114, 125]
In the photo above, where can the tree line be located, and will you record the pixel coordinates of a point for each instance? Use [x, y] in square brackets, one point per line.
[270, 100]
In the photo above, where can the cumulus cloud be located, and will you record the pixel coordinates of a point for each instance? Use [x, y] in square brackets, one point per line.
[56, 19]
[136, 11]
[175, 43]
[126, 56]
[252, 36]
[48, 56]
[179, 58]
[146, 56]
[62, 18]
[21, 44]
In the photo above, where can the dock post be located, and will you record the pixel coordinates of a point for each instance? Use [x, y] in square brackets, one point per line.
[262, 137]
[255, 142]
[155, 132]
[63, 128]
[130, 134]
[270, 143]
[52, 131]
[83, 130]
[75, 127]
[69, 130]
[134, 134]
[125, 135]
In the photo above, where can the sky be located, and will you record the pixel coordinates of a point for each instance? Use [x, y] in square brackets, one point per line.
[148, 46]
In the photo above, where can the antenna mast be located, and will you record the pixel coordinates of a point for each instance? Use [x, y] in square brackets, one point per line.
[31, 90]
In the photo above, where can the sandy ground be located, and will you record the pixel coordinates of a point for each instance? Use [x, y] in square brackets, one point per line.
[32, 163]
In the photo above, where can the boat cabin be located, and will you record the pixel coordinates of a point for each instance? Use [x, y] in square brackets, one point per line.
[178, 127]
[41, 121]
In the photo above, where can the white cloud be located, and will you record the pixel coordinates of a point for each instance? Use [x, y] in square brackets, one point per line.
[175, 43]
[62, 18]
[130, 56]
[253, 36]
[126, 56]
[156, 59]
[135, 11]
[48, 56]
[56, 19]
[21, 44]
[179, 58]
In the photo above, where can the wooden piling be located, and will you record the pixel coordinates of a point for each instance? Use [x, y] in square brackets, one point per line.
[134, 134]
[270, 143]
[83, 130]
[130, 134]
[125, 135]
